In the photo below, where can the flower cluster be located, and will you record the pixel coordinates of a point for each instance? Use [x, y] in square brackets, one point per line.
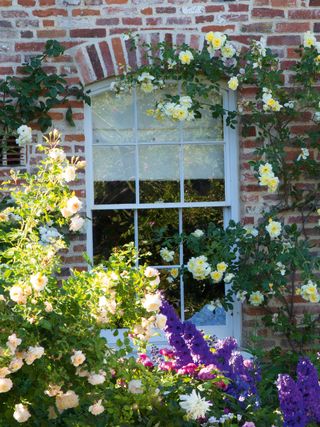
[199, 267]
[267, 177]
[310, 292]
[24, 135]
[220, 47]
[300, 400]
[176, 111]
[269, 103]
[274, 228]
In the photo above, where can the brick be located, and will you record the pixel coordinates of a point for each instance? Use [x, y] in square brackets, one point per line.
[179, 20]
[232, 17]
[27, 3]
[292, 27]
[88, 33]
[47, 2]
[118, 51]
[258, 27]
[165, 10]
[107, 58]
[93, 2]
[107, 21]
[5, 3]
[214, 9]
[153, 21]
[6, 70]
[314, 3]
[304, 14]
[74, 137]
[29, 47]
[5, 24]
[54, 34]
[132, 21]
[221, 28]
[147, 11]
[25, 23]
[233, 7]
[262, 12]
[48, 23]
[26, 34]
[283, 40]
[316, 27]
[203, 19]
[43, 13]
[95, 62]
[14, 13]
[132, 55]
[116, 1]
[85, 12]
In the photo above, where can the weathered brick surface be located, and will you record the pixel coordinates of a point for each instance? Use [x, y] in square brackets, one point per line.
[91, 31]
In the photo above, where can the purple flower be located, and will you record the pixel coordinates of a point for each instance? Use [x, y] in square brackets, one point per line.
[291, 402]
[308, 384]
[249, 424]
[208, 372]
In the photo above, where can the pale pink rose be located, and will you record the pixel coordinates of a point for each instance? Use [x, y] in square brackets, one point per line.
[76, 223]
[4, 372]
[5, 385]
[96, 379]
[77, 358]
[13, 342]
[33, 353]
[48, 307]
[17, 295]
[21, 413]
[69, 174]
[53, 390]
[15, 364]
[152, 302]
[66, 213]
[38, 281]
[135, 387]
[67, 400]
[161, 321]
[97, 408]
[74, 205]
[52, 415]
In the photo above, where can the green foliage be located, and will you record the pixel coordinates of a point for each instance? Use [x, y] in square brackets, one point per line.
[28, 98]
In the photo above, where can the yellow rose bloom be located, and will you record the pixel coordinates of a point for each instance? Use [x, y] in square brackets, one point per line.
[216, 276]
[185, 57]
[222, 266]
[233, 83]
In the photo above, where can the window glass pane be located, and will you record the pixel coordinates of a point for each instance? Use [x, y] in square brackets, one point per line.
[170, 286]
[207, 128]
[159, 173]
[149, 128]
[198, 294]
[111, 229]
[203, 172]
[154, 227]
[112, 118]
[114, 174]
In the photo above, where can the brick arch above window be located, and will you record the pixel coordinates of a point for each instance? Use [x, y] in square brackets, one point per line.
[106, 58]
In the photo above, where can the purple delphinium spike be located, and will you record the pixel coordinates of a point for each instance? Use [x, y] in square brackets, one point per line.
[308, 384]
[173, 331]
[199, 349]
[291, 402]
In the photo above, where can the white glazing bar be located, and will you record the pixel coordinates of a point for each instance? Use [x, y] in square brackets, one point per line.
[135, 135]
[161, 205]
[185, 142]
[136, 232]
[227, 171]
[181, 266]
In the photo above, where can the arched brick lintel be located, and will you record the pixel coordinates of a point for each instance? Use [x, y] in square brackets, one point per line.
[108, 57]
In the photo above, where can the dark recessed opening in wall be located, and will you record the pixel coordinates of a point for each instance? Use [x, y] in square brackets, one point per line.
[11, 154]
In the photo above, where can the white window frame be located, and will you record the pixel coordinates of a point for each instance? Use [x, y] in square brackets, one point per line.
[231, 205]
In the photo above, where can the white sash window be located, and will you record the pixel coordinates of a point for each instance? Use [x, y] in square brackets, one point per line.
[148, 180]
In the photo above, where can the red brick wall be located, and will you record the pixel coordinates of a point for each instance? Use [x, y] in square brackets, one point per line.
[91, 29]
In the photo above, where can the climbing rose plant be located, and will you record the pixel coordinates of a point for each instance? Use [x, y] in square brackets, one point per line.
[272, 262]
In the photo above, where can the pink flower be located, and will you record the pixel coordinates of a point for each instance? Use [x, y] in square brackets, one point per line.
[249, 424]
[188, 369]
[166, 352]
[206, 372]
[167, 366]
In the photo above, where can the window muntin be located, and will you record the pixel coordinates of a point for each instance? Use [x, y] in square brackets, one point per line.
[180, 179]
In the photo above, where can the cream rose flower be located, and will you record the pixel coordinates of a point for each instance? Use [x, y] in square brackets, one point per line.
[5, 385]
[48, 307]
[97, 408]
[152, 302]
[256, 298]
[13, 342]
[135, 387]
[74, 205]
[76, 223]
[96, 379]
[21, 413]
[161, 321]
[38, 281]
[67, 400]
[77, 358]
[274, 229]
[15, 364]
[69, 174]
[233, 83]
[33, 354]
[4, 372]
[186, 57]
[17, 295]
[53, 390]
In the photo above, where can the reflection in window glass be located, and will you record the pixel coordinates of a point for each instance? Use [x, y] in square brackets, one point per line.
[114, 174]
[203, 172]
[170, 286]
[159, 173]
[111, 229]
[112, 118]
[155, 226]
